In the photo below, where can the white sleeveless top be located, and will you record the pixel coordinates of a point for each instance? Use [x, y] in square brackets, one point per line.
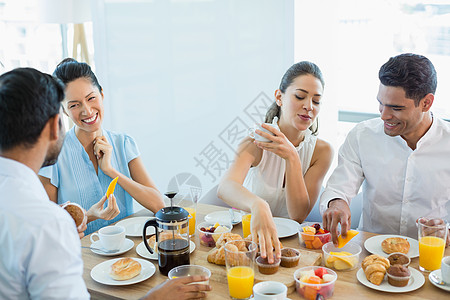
[266, 179]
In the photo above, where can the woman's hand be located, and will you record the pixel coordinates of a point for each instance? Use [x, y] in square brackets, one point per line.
[102, 151]
[263, 229]
[180, 289]
[280, 144]
[109, 212]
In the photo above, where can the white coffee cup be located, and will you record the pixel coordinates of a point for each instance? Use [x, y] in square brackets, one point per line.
[111, 237]
[269, 290]
[445, 269]
[257, 137]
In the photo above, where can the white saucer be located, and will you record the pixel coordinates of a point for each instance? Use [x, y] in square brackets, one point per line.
[286, 227]
[127, 245]
[142, 251]
[224, 217]
[100, 272]
[415, 282]
[437, 274]
[373, 245]
[134, 226]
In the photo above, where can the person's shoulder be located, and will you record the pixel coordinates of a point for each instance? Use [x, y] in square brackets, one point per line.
[368, 127]
[445, 125]
[323, 148]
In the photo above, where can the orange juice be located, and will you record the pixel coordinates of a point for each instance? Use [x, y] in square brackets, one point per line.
[246, 225]
[192, 213]
[431, 251]
[240, 282]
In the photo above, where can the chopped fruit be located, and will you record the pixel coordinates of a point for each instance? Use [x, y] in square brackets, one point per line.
[320, 272]
[350, 234]
[219, 229]
[209, 235]
[310, 293]
[216, 225]
[341, 261]
[327, 277]
[316, 226]
[314, 280]
[111, 187]
[314, 236]
[309, 229]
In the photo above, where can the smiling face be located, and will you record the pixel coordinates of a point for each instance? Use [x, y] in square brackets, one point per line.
[400, 115]
[300, 104]
[84, 105]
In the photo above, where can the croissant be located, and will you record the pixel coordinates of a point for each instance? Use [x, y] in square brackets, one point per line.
[228, 236]
[217, 256]
[375, 267]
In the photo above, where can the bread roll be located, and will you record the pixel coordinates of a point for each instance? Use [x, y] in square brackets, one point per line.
[75, 211]
[125, 268]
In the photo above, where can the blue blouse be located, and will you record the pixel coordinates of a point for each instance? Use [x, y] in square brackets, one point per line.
[75, 177]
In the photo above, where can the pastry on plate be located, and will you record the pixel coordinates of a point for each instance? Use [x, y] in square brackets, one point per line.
[395, 244]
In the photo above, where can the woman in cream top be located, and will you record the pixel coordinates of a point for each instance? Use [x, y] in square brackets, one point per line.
[282, 177]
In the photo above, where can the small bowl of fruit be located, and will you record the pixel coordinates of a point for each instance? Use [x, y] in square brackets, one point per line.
[314, 280]
[341, 259]
[313, 236]
[209, 233]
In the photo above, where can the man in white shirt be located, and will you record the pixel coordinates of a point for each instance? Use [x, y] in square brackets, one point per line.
[40, 251]
[401, 159]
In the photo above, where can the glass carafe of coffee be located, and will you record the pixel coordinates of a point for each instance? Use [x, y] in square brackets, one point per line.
[172, 237]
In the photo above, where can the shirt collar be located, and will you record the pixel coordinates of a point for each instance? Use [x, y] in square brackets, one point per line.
[431, 133]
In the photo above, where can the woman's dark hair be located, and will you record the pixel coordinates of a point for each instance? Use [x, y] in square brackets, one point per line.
[69, 70]
[28, 99]
[296, 70]
[412, 72]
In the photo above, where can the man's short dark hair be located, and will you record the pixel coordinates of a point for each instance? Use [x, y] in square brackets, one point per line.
[28, 99]
[412, 72]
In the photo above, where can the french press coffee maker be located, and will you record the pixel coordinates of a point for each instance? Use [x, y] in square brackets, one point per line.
[172, 237]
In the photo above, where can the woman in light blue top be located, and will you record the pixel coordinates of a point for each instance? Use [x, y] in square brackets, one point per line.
[91, 156]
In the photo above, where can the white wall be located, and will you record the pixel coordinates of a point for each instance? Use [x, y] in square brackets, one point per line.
[180, 76]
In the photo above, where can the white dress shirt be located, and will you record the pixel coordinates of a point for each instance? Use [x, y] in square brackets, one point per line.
[399, 184]
[40, 254]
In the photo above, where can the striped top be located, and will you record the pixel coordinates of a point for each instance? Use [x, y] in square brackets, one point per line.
[75, 177]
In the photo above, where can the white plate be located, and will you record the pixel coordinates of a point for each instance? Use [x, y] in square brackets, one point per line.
[134, 226]
[373, 245]
[415, 282]
[142, 251]
[286, 227]
[127, 245]
[438, 275]
[223, 217]
[100, 272]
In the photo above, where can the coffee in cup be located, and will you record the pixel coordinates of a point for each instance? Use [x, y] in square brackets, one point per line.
[110, 237]
[269, 290]
[257, 137]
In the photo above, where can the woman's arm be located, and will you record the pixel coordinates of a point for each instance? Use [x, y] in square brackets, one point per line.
[302, 192]
[233, 193]
[52, 191]
[140, 186]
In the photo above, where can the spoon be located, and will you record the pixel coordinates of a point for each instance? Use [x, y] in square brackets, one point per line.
[437, 280]
[102, 250]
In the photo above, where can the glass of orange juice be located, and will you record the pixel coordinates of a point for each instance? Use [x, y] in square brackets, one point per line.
[246, 219]
[432, 238]
[191, 207]
[240, 259]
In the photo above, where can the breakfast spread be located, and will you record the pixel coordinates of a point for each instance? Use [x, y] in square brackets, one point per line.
[217, 255]
[398, 275]
[341, 260]
[314, 237]
[76, 212]
[125, 268]
[398, 258]
[289, 257]
[314, 282]
[343, 241]
[395, 244]
[209, 235]
[267, 268]
[375, 267]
